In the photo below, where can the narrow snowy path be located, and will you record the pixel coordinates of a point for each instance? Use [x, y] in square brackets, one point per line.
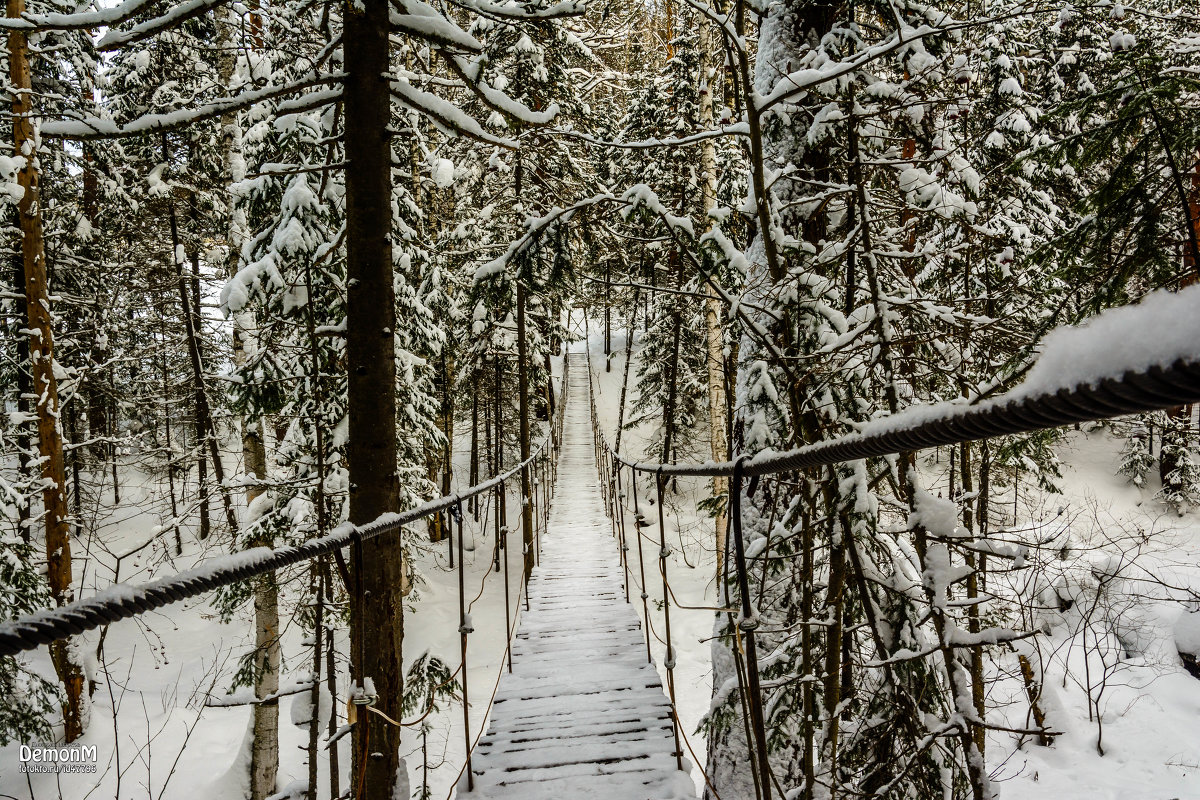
[583, 714]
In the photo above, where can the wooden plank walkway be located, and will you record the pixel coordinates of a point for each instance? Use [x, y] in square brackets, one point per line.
[583, 714]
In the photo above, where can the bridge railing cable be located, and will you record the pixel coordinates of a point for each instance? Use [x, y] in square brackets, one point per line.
[123, 601]
[1131, 392]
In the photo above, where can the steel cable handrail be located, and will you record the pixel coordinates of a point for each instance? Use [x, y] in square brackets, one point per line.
[122, 601]
[1132, 393]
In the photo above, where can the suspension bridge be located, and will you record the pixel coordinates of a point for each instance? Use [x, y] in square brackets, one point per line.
[582, 710]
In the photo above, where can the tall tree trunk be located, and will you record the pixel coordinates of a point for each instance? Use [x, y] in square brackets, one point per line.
[607, 316]
[264, 755]
[523, 403]
[25, 396]
[97, 403]
[254, 452]
[41, 357]
[204, 421]
[473, 478]
[523, 412]
[377, 627]
[714, 333]
[201, 461]
[633, 309]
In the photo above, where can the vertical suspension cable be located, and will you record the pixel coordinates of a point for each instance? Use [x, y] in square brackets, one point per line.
[503, 545]
[620, 509]
[669, 662]
[639, 522]
[747, 625]
[464, 628]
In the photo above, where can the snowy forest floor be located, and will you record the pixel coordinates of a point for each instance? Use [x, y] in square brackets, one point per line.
[1117, 656]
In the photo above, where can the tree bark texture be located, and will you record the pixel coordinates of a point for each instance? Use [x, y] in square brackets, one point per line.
[41, 359]
[378, 569]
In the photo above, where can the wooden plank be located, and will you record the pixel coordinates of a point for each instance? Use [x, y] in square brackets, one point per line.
[583, 712]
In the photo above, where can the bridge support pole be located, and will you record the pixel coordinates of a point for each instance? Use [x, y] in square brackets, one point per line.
[669, 662]
[464, 628]
[747, 625]
[639, 522]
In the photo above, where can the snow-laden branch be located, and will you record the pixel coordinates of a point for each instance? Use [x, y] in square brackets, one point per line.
[102, 17]
[88, 128]
[449, 118]
[736, 129]
[802, 80]
[511, 9]
[422, 21]
[114, 40]
[472, 75]
[536, 227]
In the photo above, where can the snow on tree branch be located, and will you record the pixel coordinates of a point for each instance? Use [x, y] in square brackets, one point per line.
[448, 117]
[182, 12]
[89, 128]
[472, 76]
[423, 22]
[107, 16]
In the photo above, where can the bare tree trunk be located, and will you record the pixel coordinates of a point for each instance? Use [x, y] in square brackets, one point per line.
[41, 357]
[714, 334]
[335, 775]
[264, 756]
[204, 422]
[523, 406]
[377, 625]
[607, 316]
[25, 460]
[166, 389]
[979, 733]
[473, 478]
[201, 461]
[523, 411]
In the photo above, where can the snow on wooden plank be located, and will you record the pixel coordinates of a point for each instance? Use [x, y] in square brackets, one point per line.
[583, 712]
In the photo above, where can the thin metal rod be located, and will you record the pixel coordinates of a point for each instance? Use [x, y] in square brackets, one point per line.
[638, 519]
[507, 591]
[620, 510]
[464, 628]
[747, 624]
[669, 663]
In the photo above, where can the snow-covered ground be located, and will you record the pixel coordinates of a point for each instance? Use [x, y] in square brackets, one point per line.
[1148, 705]
[1131, 568]
[160, 669]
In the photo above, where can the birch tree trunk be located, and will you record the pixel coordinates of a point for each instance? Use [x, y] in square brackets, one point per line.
[714, 334]
[41, 360]
[264, 756]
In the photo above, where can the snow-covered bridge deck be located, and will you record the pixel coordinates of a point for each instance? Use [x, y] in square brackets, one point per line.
[583, 714]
